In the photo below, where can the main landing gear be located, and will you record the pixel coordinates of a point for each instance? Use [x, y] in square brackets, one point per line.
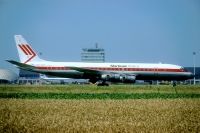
[174, 83]
[103, 83]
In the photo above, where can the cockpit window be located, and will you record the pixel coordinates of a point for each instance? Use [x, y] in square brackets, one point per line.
[183, 69]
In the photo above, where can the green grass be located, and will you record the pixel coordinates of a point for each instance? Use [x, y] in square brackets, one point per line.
[96, 96]
[94, 92]
[96, 89]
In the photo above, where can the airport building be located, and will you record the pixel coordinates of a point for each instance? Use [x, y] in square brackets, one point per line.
[93, 54]
[27, 77]
[197, 74]
[7, 76]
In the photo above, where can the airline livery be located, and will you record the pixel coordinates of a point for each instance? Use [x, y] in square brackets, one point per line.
[96, 72]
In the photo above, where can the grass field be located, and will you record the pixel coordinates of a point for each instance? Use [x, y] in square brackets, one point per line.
[19, 115]
[94, 92]
[93, 114]
[95, 89]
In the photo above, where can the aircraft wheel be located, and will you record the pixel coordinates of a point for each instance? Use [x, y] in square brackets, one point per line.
[103, 84]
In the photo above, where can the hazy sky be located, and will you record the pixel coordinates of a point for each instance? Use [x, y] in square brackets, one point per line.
[166, 31]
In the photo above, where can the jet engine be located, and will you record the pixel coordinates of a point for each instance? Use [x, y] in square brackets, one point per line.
[125, 78]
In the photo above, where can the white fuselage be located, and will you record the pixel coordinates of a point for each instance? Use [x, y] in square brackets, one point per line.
[143, 71]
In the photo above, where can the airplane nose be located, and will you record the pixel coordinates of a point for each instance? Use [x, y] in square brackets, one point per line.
[190, 75]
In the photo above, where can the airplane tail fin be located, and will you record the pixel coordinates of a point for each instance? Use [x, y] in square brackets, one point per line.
[26, 53]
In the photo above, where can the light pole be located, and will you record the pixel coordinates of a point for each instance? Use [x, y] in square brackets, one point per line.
[194, 54]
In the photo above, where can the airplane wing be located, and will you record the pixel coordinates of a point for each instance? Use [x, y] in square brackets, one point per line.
[109, 76]
[87, 70]
[91, 71]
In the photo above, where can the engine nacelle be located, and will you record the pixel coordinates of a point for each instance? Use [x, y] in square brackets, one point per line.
[105, 77]
[118, 78]
[129, 79]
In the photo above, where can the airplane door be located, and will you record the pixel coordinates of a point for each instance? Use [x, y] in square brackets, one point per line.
[156, 72]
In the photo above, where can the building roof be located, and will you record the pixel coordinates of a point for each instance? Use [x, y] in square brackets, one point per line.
[8, 75]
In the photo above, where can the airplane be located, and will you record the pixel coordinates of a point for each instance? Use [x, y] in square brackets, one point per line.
[54, 79]
[100, 73]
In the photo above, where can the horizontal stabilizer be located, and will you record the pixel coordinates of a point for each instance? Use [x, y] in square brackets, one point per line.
[21, 65]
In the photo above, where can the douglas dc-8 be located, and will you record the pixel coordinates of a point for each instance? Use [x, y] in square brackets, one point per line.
[96, 72]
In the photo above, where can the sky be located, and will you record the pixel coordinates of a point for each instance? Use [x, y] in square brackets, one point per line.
[133, 31]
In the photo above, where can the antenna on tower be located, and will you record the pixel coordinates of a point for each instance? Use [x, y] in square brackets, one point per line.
[96, 45]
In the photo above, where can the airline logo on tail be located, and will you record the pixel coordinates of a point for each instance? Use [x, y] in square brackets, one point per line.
[27, 51]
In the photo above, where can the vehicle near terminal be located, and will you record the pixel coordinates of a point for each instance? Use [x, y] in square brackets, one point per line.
[96, 72]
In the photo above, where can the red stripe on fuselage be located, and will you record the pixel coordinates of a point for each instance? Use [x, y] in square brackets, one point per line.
[118, 69]
[53, 68]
